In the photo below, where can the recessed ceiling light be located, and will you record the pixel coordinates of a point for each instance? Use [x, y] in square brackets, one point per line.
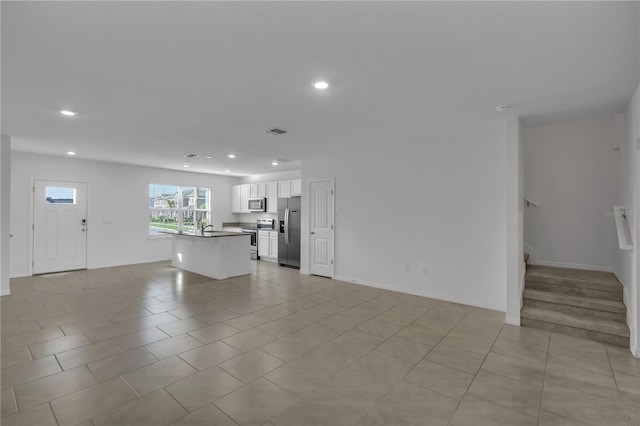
[208, 157]
[274, 163]
[231, 155]
[227, 171]
[68, 113]
[185, 165]
[502, 108]
[191, 156]
[321, 85]
[71, 153]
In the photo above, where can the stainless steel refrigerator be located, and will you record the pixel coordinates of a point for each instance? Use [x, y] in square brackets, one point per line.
[289, 231]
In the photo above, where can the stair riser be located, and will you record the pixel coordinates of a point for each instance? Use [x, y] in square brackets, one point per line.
[589, 285]
[598, 294]
[577, 332]
[575, 310]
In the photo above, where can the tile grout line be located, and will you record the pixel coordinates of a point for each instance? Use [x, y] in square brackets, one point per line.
[544, 377]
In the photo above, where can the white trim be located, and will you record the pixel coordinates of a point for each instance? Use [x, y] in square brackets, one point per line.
[135, 262]
[333, 231]
[521, 284]
[19, 275]
[531, 252]
[429, 294]
[572, 266]
[512, 320]
[304, 272]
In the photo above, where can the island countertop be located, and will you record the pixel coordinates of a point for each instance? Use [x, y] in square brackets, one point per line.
[205, 234]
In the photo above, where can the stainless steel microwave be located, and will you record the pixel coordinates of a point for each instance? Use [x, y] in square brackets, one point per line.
[257, 204]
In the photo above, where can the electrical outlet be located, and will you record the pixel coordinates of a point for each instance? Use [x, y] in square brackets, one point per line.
[423, 270]
[405, 267]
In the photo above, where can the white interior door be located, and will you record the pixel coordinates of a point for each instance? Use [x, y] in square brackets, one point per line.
[321, 229]
[59, 226]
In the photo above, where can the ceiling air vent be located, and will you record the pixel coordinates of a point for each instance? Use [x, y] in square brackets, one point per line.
[275, 131]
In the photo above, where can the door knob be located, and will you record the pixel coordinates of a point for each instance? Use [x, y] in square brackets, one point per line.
[313, 233]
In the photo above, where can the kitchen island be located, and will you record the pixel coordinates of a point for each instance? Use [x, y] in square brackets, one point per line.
[214, 254]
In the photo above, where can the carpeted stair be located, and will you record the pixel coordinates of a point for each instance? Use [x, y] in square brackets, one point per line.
[578, 303]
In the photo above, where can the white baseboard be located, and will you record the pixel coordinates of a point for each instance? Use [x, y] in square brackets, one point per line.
[429, 294]
[512, 320]
[635, 350]
[572, 266]
[305, 272]
[523, 277]
[134, 262]
[20, 275]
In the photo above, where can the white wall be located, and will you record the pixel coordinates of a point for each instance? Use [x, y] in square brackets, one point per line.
[271, 177]
[440, 203]
[627, 262]
[118, 207]
[515, 270]
[5, 211]
[570, 170]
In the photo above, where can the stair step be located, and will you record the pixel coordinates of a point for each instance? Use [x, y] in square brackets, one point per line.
[574, 278]
[597, 308]
[574, 291]
[601, 330]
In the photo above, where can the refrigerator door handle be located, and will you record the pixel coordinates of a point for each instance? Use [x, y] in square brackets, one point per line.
[286, 226]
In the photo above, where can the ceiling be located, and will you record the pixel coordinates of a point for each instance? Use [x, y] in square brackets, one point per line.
[154, 81]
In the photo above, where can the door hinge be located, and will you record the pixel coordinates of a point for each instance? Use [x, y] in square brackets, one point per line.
[33, 189]
[331, 226]
[33, 226]
[332, 261]
[332, 192]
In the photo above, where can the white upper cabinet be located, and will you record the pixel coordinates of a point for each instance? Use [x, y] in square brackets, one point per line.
[272, 197]
[284, 189]
[296, 188]
[236, 202]
[240, 194]
[262, 190]
[245, 194]
[258, 190]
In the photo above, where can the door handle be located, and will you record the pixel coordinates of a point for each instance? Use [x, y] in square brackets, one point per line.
[313, 233]
[286, 226]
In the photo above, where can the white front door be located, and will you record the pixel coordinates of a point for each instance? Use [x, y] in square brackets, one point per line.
[59, 226]
[321, 229]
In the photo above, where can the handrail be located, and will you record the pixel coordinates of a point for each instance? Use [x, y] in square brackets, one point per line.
[530, 203]
[622, 226]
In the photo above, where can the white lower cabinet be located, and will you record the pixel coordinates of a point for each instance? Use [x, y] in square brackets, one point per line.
[273, 245]
[268, 245]
[263, 244]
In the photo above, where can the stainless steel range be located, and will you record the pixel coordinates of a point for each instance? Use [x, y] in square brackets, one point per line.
[261, 225]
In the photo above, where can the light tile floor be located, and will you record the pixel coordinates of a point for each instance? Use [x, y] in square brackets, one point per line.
[152, 345]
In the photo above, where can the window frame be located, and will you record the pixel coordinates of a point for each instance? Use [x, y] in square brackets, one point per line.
[180, 208]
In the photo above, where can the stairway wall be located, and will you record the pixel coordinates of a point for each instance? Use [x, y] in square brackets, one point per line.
[627, 262]
[570, 170]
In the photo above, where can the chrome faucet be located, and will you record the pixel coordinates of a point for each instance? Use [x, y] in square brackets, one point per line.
[204, 228]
